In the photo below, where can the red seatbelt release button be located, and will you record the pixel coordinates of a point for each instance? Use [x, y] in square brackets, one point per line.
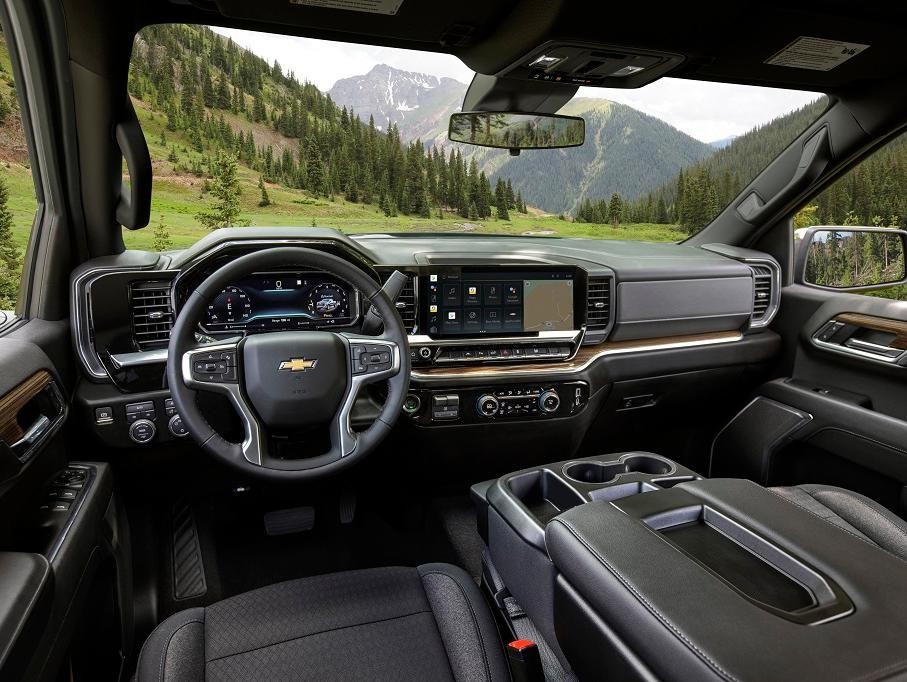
[525, 661]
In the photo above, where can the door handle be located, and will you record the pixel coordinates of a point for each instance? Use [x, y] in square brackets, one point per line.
[33, 434]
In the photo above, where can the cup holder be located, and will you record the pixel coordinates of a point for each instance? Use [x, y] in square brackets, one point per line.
[604, 472]
[593, 472]
[645, 464]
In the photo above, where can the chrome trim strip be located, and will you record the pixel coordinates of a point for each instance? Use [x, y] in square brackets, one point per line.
[561, 368]
[857, 353]
[145, 357]
[572, 336]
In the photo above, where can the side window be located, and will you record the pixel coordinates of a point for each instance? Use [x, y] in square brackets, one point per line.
[18, 201]
[874, 194]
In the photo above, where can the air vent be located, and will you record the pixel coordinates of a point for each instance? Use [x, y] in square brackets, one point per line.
[406, 304]
[152, 316]
[763, 290]
[598, 304]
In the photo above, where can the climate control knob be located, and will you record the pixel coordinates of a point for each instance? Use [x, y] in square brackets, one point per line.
[487, 405]
[142, 431]
[549, 401]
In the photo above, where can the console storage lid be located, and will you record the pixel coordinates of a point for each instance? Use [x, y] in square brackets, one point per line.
[723, 579]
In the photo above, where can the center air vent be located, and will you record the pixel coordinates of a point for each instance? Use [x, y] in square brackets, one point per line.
[406, 303]
[152, 316]
[598, 304]
[764, 305]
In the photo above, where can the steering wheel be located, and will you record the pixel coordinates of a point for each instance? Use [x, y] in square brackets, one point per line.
[288, 379]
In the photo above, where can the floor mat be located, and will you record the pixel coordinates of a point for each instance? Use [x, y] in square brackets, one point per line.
[248, 558]
[458, 519]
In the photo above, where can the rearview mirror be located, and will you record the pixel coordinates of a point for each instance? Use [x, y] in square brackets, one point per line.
[851, 258]
[517, 131]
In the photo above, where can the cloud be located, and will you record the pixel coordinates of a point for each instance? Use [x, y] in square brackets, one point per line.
[706, 111]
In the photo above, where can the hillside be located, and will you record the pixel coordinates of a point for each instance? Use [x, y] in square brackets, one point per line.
[626, 151]
[694, 196]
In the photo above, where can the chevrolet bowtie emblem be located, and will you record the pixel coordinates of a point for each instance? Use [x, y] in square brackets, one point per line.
[297, 365]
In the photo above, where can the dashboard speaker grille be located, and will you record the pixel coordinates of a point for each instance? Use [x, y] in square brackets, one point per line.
[762, 291]
[598, 304]
[152, 316]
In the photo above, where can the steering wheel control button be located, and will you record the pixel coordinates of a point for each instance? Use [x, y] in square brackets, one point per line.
[177, 427]
[142, 431]
[487, 405]
[549, 401]
[412, 404]
[214, 366]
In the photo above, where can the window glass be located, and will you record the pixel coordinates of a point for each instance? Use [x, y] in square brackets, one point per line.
[18, 201]
[873, 194]
[248, 128]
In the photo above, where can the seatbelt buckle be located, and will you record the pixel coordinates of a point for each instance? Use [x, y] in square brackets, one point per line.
[525, 661]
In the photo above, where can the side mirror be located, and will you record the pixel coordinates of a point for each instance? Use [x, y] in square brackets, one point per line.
[515, 131]
[850, 258]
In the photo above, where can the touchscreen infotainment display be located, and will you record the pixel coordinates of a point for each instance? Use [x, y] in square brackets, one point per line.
[499, 303]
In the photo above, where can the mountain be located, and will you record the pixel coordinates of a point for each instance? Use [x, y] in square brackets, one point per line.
[722, 143]
[706, 187]
[626, 151]
[418, 103]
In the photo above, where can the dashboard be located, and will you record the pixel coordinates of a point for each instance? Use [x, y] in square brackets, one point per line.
[282, 300]
[499, 328]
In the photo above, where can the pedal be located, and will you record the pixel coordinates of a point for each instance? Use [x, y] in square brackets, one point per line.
[188, 568]
[347, 506]
[288, 521]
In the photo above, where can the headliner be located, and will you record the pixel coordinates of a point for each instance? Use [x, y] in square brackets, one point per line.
[726, 43]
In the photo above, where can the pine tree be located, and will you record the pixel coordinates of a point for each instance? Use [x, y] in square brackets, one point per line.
[265, 199]
[226, 191]
[615, 210]
[161, 240]
[9, 255]
[501, 199]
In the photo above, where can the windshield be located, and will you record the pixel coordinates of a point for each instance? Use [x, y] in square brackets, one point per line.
[255, 129]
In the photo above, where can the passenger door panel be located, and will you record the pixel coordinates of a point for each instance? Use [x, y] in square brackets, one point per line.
[852, 425]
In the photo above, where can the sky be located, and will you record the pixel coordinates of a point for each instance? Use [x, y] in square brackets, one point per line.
[706, 111]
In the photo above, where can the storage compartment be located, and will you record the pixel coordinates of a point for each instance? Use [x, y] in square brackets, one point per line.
[543, 494]
[739, 567]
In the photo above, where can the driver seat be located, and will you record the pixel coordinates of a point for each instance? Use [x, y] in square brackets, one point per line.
[425, 623]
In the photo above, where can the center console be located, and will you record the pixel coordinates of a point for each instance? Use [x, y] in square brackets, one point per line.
[632, 564]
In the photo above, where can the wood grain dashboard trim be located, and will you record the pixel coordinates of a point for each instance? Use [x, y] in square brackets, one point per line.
[584, 357]
[881, 324]
[13, 402]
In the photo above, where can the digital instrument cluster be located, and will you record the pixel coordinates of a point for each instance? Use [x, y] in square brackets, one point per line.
[283, 301]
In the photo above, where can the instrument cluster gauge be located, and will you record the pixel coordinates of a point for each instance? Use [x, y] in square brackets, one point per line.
[328, 301]
[231, 306]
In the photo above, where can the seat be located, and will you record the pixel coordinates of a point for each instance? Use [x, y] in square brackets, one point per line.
[425, 623]
[853, 512]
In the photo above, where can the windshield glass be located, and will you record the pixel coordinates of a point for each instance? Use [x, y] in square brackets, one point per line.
[255, 129]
